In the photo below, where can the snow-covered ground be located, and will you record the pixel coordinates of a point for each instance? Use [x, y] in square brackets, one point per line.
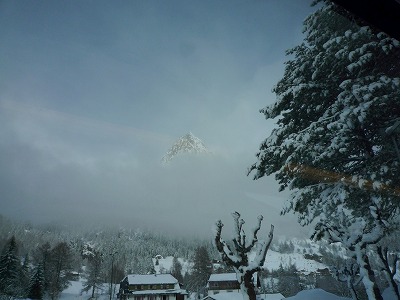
[165, 264]
[275, 259]
[319, 294]
[73, 292]
[316, 294]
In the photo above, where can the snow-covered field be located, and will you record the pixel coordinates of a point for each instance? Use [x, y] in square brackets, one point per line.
[275, 259]
[272, 262]
[165, 264]
[75, 288]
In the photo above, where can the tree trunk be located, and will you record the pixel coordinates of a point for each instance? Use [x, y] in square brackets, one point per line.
[368, 276]
[384, 256]
[353, 292]
[247, 287]
[392, 283]
[93, 288]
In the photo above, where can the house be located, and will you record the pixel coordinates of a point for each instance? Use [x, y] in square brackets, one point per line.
[151, 287]
[226, 282]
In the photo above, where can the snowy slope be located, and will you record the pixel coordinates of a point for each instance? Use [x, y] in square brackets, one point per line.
[75, 288]
[275, 259]
[185, 144]
[165, 264]
[272, 262]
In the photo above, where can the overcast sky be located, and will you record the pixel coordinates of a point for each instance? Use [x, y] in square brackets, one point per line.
[93, 93]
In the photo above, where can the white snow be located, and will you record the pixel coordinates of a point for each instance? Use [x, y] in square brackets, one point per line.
[75, 288]
[316, 294]
[165, 264]
[223, 277]
[275, 259]
[152, 279]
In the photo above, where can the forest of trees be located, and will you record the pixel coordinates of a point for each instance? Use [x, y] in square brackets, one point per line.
[38, 261]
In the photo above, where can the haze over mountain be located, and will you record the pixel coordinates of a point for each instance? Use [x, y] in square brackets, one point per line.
[93, 96]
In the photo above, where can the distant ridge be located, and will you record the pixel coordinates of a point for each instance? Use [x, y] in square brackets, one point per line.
[185, 144]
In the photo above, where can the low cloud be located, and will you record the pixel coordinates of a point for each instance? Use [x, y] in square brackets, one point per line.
[117, 178]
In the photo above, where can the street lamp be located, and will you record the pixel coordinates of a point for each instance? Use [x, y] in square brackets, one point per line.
[112, 271]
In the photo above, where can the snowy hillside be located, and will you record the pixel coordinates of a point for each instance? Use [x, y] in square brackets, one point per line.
[272, 262]
[164, 264]
[275, 259]
[185, 144]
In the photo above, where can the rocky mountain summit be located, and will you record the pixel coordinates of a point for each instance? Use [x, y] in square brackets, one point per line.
[185, 144]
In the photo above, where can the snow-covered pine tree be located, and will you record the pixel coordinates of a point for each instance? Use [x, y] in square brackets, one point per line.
[41, 255]
[36, 287]
[10, 267]
[337, 100]
[288, 280]
[24, 276]
[93, 275]
[201, 271]
[176, 269]
[237, 255]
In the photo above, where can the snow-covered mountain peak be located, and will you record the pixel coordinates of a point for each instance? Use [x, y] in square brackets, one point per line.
[185, 144]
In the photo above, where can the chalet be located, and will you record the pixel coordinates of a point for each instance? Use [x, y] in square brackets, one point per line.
[151, 287]
[224, 282]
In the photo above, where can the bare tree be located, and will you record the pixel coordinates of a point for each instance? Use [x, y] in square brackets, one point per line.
[348, 273]
[389, 267]
[60, 265]
[238, 255]
[356, 235]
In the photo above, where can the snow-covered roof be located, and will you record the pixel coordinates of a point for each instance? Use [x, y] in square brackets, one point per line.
[152, 279]
[223, 277]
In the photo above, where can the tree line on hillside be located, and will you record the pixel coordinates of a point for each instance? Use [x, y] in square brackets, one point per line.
[47, 269]
[47, 272]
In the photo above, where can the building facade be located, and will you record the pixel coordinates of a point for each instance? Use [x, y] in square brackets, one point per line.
[224, 282]
[151, 287]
